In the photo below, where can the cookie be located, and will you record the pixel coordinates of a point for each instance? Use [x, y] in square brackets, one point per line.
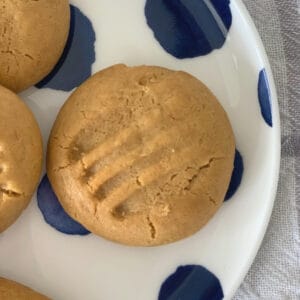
[32, 38]
[11, 290]
[20, 157]
[141, 155]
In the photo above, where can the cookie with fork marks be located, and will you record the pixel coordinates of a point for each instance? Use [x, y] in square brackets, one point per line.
[141, 155]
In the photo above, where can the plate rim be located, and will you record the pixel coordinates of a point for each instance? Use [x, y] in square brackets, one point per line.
[263, 62]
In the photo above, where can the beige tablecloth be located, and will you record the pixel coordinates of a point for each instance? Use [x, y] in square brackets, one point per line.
[275, 274]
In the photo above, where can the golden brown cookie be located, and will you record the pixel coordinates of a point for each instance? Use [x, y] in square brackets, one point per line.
[141, 155]
[32, 38]
[11, 290]
[20, 157]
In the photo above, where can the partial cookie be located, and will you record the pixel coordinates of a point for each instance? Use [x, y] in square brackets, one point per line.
[11, 290]
[20, 157]
[32, 38]
[141, 156]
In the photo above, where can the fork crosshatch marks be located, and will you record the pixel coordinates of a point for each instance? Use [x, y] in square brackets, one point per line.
[187, 29]
[56, 217]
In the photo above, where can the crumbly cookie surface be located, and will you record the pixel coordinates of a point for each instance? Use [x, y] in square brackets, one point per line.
[141, 155]
[32, 38]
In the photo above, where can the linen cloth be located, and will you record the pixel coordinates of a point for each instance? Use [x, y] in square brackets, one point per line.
[275, 273]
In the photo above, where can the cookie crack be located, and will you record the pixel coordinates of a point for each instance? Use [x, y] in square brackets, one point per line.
[152, 228]
[11, 53]
[58, 169]
[63, 147]
[212, 200]
[82, 112]
[28, 56]
[198, 172]
[9, 192]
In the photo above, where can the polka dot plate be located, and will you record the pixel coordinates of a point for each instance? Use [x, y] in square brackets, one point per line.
[216, 41]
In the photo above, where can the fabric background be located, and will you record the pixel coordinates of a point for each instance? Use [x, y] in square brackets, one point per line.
[275, 273]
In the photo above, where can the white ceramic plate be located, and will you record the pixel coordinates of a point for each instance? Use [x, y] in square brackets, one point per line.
[88, 267]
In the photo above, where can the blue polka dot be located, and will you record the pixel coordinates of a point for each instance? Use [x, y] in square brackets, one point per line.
[188, 29]
[191, 282]
[264, 97]
[54, 213]
[237, 174]
[75, 64]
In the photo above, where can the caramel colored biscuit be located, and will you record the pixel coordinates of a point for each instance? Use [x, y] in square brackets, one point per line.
[20, 157]
[141, 155]
[32, 38]
[11, 290]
